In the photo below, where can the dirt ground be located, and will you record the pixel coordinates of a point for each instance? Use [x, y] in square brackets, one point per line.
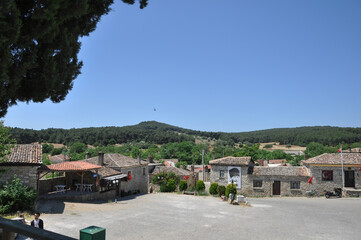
[175, 216]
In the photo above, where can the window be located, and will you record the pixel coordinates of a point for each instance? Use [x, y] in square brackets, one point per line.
[143, 171]
[295, 184]
[221, 174]
[257, 183]
[327, 175]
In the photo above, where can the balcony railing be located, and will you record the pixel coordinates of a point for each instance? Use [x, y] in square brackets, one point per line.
[10, 227]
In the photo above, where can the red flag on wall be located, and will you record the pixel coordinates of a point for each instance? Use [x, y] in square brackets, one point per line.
[186, 177]
[340, 150]
[310, 180]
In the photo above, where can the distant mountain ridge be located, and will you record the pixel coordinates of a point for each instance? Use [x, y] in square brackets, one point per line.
[161, 133]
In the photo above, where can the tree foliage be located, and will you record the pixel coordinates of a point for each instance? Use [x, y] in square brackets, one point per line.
[6, 142]
[39, 45]
[16, 197]
[159, 133]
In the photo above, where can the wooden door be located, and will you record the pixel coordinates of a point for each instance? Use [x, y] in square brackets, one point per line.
[276, 188]
[349, 178]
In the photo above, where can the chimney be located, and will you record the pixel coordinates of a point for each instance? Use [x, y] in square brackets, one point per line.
[349, 149]
[213, 155]
[139, 160]
[87, 155]
[101, 158]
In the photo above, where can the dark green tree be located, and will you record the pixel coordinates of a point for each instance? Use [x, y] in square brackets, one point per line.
[39, 44]
[6, 142]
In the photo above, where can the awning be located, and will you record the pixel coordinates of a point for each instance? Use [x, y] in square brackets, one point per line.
[116, 177]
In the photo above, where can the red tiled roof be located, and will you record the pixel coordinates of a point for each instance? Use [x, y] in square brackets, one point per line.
[25, 154]
[70, 167]
[231, 161]
[335, 159]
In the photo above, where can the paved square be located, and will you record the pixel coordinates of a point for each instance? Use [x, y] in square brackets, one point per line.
[174, 216]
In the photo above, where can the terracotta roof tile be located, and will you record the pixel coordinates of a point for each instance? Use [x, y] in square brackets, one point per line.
[25, 154]
[335, 159]
[231, 161]
[70, 166]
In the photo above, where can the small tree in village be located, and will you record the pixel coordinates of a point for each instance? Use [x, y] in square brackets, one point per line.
[167, 181]
[183, 185]
[16, 197]
[200, 186]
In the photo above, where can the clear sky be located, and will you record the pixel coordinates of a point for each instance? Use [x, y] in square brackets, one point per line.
[210, 65]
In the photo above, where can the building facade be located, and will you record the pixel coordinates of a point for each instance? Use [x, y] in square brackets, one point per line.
[23, 162]
[320, 174]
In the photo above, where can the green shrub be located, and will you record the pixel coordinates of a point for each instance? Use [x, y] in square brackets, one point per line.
[169, 186]
[200, 186]
[16, 197]
[221, 190]
[162, 177]
[268, 146]
[213, 188]
[231, 188]
[183, 185]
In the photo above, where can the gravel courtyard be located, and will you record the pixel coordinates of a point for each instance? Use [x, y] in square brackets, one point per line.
[174, 216]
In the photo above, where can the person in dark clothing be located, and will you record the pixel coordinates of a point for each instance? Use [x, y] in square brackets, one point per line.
[37, 222]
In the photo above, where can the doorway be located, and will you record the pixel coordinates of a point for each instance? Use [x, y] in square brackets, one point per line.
[276, 188]
[350, 179]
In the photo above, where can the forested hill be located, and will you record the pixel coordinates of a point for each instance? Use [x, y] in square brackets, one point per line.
[160, 133]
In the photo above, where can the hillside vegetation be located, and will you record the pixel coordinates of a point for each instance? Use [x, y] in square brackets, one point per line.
[160, 133]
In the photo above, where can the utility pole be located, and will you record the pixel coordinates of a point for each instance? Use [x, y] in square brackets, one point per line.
[203, 163]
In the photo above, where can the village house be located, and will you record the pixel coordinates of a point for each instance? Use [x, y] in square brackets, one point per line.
[326, 170]
[277, 181]
[320, 173]
[135, 169]
[228, 169]
[23, 162]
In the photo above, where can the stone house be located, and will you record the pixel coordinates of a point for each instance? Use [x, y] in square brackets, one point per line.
[228, 169]
[277, 181]
[23, 162]
[326, 170]
[135, 169]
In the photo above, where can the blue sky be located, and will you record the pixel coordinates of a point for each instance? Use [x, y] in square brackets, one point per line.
[229, 66]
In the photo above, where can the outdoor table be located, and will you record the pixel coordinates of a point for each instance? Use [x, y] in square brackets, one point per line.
[78, 186]
[60, 188]
[88, 187]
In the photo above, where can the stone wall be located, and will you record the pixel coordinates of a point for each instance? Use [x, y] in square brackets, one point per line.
[321, 185]
[26, 174]
[267, 186]
[215, 175]
[139, 180]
